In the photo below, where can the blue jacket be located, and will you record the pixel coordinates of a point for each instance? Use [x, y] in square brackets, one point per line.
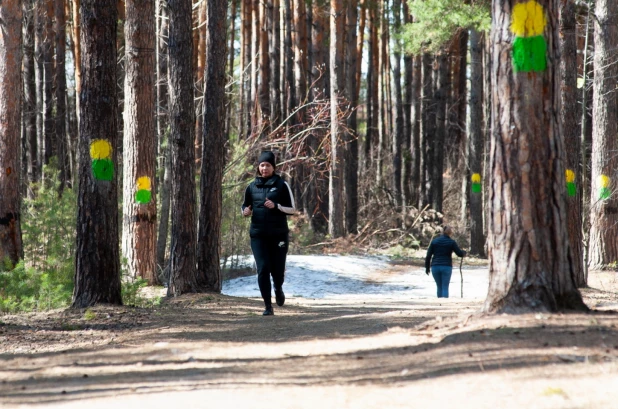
[442, 248]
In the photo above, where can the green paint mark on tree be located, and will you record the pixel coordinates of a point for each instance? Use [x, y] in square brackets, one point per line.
[604, 193]
[571, 189]
[530, 54]
[476, 188]
[143, 196]
[103, 169]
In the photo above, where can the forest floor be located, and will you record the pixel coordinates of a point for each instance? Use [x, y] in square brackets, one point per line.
[210, 350]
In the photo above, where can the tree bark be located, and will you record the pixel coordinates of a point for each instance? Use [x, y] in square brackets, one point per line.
[416, 115]
[474, 189]
[184, 277]
[407, 145]
[265, 67]
[139, 143]
[350, 150]
[11, 246]
[49, 123]
[530, 258]
[97, 261]
[60, 90]
[398, 136]
[428, 124]
[439, 140]
[245, 64]
[604, 162]
[29, 102]
[77, 54]
[274, 56]
[211, 180]
[337, 85]
[569, 128]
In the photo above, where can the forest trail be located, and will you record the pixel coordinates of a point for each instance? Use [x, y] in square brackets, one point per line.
[209, 350]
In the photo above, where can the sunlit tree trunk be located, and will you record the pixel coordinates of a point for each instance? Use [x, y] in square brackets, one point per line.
[398, 136]
[97, 259]
[11, 247]
[245, 64]
[213, 156]
[265, 11]
[49, 123]
[139, 142]
[75, 32]
[416, 131]
[274, 54]
[604, 161]
[530, 264]
[337, 85]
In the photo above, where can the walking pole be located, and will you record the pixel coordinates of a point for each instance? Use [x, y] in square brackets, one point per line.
[461, 275]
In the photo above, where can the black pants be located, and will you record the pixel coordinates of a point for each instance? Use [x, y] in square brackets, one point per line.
[269, 253]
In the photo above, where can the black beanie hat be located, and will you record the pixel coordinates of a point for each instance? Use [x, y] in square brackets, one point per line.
[267, 156]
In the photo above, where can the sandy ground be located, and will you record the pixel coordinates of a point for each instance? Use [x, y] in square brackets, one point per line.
[390, 352]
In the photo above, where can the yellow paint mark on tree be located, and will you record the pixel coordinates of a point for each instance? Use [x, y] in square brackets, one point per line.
[476, 183]
[570, 182]
[100, 149]
[143, 183]
[144, 193]
[603, 182]
[528, 19]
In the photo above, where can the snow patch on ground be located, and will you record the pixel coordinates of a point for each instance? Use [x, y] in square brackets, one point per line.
[342, 277]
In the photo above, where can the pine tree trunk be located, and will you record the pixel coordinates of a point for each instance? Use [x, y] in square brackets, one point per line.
[265, 67]
[60, 90]
[139, 143]
[337, 85]
[230, 65]
[49, 123]
[474, 189]
[416, 131]
[254, 103]
[428, 124]
[39, 75]
[184, 277]
[407, 147]
[245, 64]
[372, 87]
[274, 56]
[11, 247]
[570, 130]
[530, 260]
[381, 97]
[439, 140]
[75, 32]
[456, 106]
[211, 180]
[199, 82]
[163, 231]
[604, 162]
[97, 260]
[350, 150]
[398, 137]
[29, 102]
[162, 94]
[289, 63]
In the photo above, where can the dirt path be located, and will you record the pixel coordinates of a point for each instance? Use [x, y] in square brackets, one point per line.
[208, 350]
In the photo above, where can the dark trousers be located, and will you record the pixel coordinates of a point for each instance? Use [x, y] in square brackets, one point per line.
[270, 254]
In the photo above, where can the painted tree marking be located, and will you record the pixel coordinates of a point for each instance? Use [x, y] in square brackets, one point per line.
[476, 183]
[144, 190]
[570, 182]
[604, 191]
[529, 47]
[101, 154]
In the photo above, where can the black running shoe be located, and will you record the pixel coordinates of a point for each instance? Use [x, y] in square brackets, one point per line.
[268, 311]
[280, 297]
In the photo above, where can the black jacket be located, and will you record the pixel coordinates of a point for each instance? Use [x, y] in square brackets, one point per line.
[265, 221]
[442, 248]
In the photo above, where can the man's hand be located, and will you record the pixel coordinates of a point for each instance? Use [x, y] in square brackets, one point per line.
[270, 204]
[427, 271]
[247, 211]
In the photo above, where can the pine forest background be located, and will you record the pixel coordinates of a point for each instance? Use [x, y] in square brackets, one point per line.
[380, 113]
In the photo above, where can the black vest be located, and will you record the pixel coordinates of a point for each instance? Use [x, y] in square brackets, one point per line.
[265, 221]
